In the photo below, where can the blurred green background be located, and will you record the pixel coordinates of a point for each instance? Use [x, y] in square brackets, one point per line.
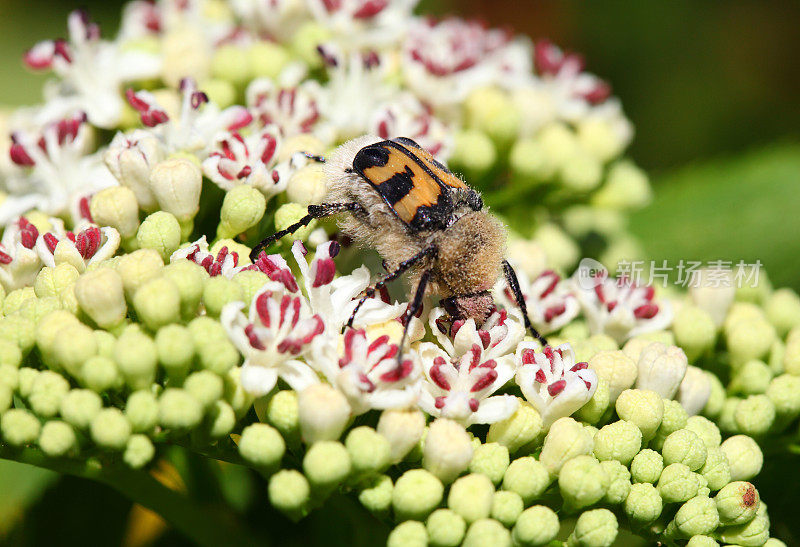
[712, 89]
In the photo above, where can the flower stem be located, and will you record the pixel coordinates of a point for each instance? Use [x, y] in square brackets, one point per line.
[187, 516]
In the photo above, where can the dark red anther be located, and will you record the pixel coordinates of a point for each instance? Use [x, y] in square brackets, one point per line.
[439, 402]
[369, 9]
[437, 375]
[269, 147]
[553, 312]
[540, 376]
[528, 356]
[5, 258]
[249, 331]
[398, 373]
[485, 381]
[88, 242]
[326, 269]
[85, 210]
[646, 311]
[556, 387]
[473, 404]
[50, 241]
[485, 338]
[20, 156]
[262, 308]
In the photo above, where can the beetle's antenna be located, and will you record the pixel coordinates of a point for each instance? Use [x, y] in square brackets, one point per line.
[513, 284]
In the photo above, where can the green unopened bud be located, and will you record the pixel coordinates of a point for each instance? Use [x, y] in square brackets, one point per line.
[403, 428]
[647, 466]
[594, 410]
[19, 427]
[218, 356]
[474, 152]
[471, 497]
[283, 413]
[218, 291]
[526, 477]
[447, 450]
[304, 43]
[537, 525]
[416, 493]
[240, 400]
[529, 160]
[749, 339]
[178, 410]
[176, 184]
[263, 58]
[26, 377]
[619, 482]
[136, 356]
[100, 295]
[307, 185]
[744, 457]
[694, 330]
[175, 348]
[242, 208]
[705, 429]
[327, 464]
[55, 281]
[675, 418]
[490, 109]
[752, 534]
[141, 409]
[47, 392]
[582, 482]
[110, 429]
[137, 268]
[702, 541]
[220, 420]
[290, 213]
[517, 430]
[9, 376]
[138, 451]
[727, 421]
[369, 450]
[595, 528]
[717, 470]
[408, 534]
[643, 503]
[6, 397]
[157, 303]
[644, 408]
[784, 392]
[507, 506]
[14, 300]
[323, 413]
[783, 310]
[755, 415]
[698, 516]
[581, 172]
[10, 354]
[491, 459]
[487, 532]
[289, 492]
[116, 207]
[189, 279]
[774, 542]
[445, 528]
[751, 378]
[20, 330]
[205, 386]
[57, 438]
[565, 440]
[251, 282]
[791, 354]
[677, 483]
[716, 399]
[100, 374]
[377, 496]
[261, 445]
[737, 503]
[619, 441]
[160, 232]
[230, 62]
[684, 446]
[72, 346]
[617, 369]
[626, 185]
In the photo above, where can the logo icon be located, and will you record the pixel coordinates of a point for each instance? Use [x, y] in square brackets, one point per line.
[590, 273]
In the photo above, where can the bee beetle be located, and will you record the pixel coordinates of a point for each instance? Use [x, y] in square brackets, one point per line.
[397, 199]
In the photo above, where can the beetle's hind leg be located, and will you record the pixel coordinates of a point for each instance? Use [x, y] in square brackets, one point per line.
[314, 211]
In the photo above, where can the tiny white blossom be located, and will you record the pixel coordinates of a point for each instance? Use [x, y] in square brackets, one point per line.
[293, 109]
[368, 372]
[278, 329]
[225, 262]
[358, 24]
[19, 261]
[57, 175]
[80, 248]
[91, 72]
[407, 116]
[550, 302]
[621, 308]
[552, 381]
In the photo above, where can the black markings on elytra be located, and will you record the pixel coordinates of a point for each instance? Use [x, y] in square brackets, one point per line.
[370, 156]
[397, 186]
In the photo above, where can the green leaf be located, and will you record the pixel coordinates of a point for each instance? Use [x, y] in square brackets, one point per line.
[739, 208]
[21, 486]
